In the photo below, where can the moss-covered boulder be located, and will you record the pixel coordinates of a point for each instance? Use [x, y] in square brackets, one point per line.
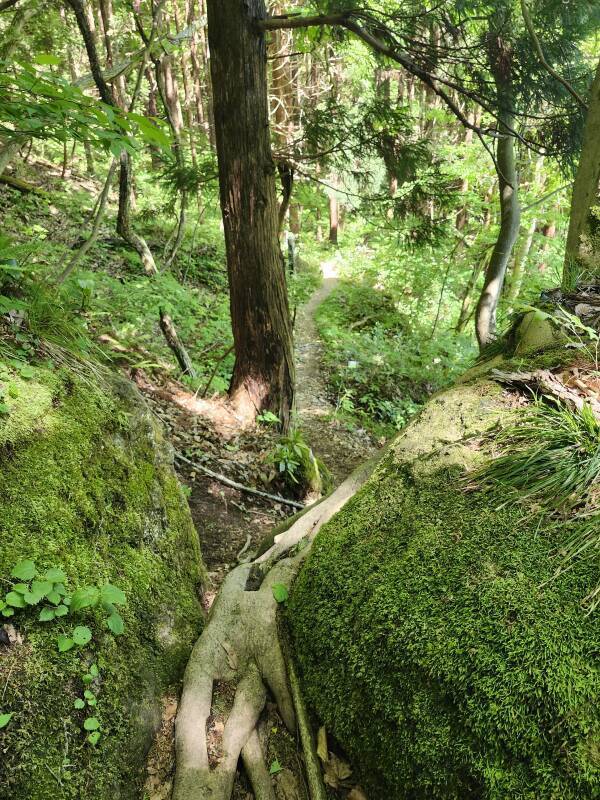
[431, 640]
[87, 486]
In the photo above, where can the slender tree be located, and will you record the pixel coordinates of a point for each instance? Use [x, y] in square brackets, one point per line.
[501, 66]
[582, 258]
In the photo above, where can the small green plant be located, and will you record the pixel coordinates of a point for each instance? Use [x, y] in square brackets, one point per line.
[268, 418]
[297, 466]
[46, 590]
[89, 700]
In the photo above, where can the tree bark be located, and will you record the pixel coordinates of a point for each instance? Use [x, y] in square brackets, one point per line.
[8, 152]
[518, 270]
[334, 219]
[107, 95]
[582, 257]
[499, 52]
[263, 375]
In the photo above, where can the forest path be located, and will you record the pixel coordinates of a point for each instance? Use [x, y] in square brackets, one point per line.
[229, 521]
[341, 448]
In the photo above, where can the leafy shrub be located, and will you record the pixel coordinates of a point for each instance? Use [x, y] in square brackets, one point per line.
[296, 467]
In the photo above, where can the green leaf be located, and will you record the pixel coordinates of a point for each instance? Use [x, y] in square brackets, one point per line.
[24, 570]
[275, 768]
[15, 600]
[85, 597]
[32, 598]
[89, 695]
[79, 704]
[280, 592]
[46, 59]
[65, 643]
[26, 371]
[47, 615]
[60, 588]
[5, 719]
[82, 635]
[4, 409]
[91, 724]
[94, 672]
[7, 612]
[61, 611]
[43, 588]
[55, 575]
[21, 588]
[116, 624]
[87, 678]
[112, 594]
[94, 738]
[53, 597]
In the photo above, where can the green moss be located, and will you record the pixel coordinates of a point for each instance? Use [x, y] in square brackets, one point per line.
[87, 486]
[431, 645]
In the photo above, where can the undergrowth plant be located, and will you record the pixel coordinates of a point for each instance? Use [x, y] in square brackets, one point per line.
[551, 464]
[44, 593]
[297, 466]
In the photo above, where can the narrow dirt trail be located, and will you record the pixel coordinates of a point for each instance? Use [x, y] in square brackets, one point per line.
[229, 521]
[340, 448]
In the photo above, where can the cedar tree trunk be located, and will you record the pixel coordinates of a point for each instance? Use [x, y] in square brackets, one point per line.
[263, 375]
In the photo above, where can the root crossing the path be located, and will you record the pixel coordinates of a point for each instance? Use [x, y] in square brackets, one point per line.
[240, 660]
[239, 657]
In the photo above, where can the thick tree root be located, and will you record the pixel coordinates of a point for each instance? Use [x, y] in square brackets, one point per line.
[240, 649]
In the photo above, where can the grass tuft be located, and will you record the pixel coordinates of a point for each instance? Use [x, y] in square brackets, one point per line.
[552, 463]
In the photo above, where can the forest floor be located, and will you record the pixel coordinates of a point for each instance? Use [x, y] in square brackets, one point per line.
[231, 522]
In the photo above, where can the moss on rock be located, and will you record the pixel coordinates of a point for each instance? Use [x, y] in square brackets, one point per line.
[87, 485]
[430, 642]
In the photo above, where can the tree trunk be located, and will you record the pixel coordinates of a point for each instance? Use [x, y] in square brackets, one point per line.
[334, 219]
[582, 257]
[499, 52]
[263, 375]
[8, 152]
[107, 95]
[295, 218]
[518, 270]
[13, 34]
[510, 218]
[89, 159]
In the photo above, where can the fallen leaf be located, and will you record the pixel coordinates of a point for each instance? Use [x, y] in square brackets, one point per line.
[336, 771]
[322, 751]
[231, 656]
[357, 794]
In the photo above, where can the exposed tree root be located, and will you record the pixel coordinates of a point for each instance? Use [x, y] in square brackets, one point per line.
[240, 648]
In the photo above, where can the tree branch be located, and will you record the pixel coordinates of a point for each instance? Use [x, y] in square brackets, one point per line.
[8, 4]
[345, 20]
[538, 47]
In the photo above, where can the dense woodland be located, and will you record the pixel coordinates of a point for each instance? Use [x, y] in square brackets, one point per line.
[299, 399]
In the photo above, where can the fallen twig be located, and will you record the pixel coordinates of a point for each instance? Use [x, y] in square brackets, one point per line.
[276, 498]
[168, 330]
[549, 384]
[22, 186]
